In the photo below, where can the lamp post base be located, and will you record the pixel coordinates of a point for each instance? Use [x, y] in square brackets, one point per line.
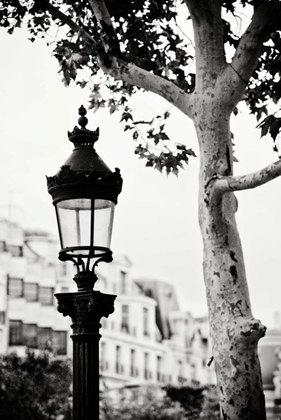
[85, 308]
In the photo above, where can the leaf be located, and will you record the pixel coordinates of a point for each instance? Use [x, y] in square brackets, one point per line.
[112, 109]
[163, 136]
[166, 115]
[82, 84]
[275, 128]
[150, 134]
[126, 116]
[265, 125]
[260, 111]
[190, 152]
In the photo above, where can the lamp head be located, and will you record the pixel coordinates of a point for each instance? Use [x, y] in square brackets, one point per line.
[84, 193]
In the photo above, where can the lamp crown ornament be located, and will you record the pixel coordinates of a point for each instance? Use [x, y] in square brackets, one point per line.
[83, 136]
[84, 166]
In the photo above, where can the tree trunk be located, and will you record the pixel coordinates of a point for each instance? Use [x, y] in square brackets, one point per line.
[234, 331]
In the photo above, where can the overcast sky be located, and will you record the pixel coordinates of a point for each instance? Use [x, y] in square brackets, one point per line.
[156, 218]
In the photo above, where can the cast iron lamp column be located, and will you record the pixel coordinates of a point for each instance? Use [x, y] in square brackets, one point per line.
[84, 193]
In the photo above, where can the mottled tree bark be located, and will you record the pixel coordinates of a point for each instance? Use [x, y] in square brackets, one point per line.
[234, 331]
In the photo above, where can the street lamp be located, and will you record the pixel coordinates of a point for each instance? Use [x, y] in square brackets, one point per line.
[84, 193]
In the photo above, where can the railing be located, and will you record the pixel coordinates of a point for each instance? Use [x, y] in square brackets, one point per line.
[128, 329]
[134, 372]
[119, 368]
[147, 374]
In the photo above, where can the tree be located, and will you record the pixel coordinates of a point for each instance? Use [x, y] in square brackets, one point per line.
[32, 387]
[142, 45]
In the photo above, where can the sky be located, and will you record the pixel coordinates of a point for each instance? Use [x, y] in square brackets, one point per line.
[156, 218]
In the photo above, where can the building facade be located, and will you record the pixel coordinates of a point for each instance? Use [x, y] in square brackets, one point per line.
[147, 339]
[29, 277]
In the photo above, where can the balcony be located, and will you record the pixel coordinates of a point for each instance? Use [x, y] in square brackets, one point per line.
[147, 374]
[119, 368]
[128, 329]
[134, 372]
[104, 366]
[115, 368]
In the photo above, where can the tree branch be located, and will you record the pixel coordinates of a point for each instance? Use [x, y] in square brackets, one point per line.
[100, 11]
[134, 75]
[266, 19]
[109, 37]
[114, 66]
[223, 185]
[209, 40]
[129, 72]
[58, 14]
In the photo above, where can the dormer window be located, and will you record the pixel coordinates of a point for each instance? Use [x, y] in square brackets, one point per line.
[145, 322]
[125, 318]
[123, 275]
[15, 287]
[15, 250]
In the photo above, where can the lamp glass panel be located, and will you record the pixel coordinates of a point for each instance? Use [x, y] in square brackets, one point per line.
[75, 222]
[103, 221]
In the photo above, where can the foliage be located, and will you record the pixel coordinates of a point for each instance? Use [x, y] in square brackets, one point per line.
[152, 35]
[36, 387]
[210, 406]
[154, 403]
[190, 398]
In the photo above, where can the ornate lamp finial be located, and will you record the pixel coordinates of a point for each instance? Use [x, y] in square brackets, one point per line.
[82, 136]
[82, 121]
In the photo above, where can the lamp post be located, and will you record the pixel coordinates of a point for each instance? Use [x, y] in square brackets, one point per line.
[84, 193]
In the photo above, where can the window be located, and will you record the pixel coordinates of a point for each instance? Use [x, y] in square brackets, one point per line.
[181, 378]
[60, 342]
[118, 360]
[15, 333]
[125, 318]
[3, 246]
[63, 269]
[31, 292]
[44, 338]
[193, 372]
[205, 342]
[15, 287]
[133, 362]
[104, 364]
[159, 368]
[146, 363]
[64, 289]
[46, 295]
[30, 335]
[145, 322]
[123, 275]
[15, 250]
[2, 317]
